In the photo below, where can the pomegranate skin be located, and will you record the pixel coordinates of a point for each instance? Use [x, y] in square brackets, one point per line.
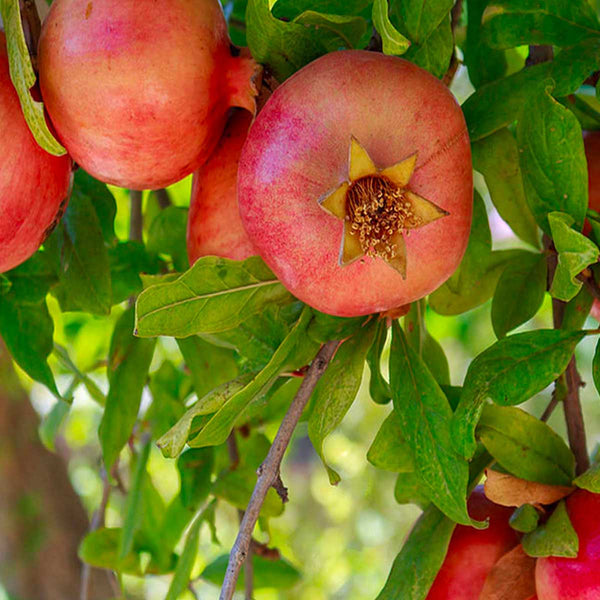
[139, 91]
[577, 578]
[214, 223]
[34, 185]
[473, 552]
[297, 152]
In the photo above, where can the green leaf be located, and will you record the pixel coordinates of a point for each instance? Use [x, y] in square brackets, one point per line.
[185, 564]
[409, 490]
[51, 423]
[287, 46]
[496, 157]
[379, 388]
[556, 537]
[389, 450]
[577, 310]
[575, 253]
[236, 487]
[552, 160]
[435, 52]
[426, 416]
[325, 328]
[524, 519]
[5, 284]
[484, 64]
[519, 293]
[525, 446]
[393, 41]
[420, 559]
[596, 367]
[83, 269]
[498, 104]
[195, 468]
[30, 282]
[277, 574]
[590, 479]
[100, 549]
[129, 361]
[510, 372]
[552, 22]
[334, 30]
[216, 294]
[475, 280]
[418, 19]
[173, 442]
[24, 78]
[134, 507]
[336, 391]
[209, 365]
[296, 347]
[167, 235]
[27, 330]
[288, 9]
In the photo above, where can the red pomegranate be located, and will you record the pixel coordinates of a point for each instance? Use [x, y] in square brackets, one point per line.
[34, 185]
[139, 91]
[364, 149]
[214, 223]
[473, 552]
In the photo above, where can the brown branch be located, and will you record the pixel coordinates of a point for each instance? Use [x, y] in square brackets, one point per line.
[162, 197]
[574, 418]
[32, 28]
[375, 43]
[539, 54]
[455, 14]
[135, 220]
[268, 472]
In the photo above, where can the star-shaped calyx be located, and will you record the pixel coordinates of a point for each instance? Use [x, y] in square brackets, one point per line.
[378, 209]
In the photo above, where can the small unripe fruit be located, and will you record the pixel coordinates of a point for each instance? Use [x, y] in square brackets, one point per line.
[355, 183]
[473, 552]
[558, 578]
[139, 91]
[34, 185]
[214, 223]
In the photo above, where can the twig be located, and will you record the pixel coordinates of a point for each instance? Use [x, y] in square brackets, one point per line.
[135, 221]
[32, 28]
[269, 470]
[163, 198]
[574, 418]
[539, 54]
[375, 43]
[455, 14]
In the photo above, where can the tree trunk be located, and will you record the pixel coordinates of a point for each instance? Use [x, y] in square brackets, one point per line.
[42, 520]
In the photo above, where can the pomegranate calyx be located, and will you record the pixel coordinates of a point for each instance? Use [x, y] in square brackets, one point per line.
[378, 209]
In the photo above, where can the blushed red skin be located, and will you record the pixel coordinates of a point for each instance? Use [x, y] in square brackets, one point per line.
[297, 151]
[214, 223]
[33, 183]
[139, 91]
[473, 552]
[575, 578]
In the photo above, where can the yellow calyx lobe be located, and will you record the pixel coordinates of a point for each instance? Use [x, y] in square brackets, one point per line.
[378, 208]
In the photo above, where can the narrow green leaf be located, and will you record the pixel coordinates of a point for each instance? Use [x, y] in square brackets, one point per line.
[336, 391]
[510, 372]
[324, 328]
[393, 41]
[420, 559]
[51, 423]
[379, 388]
[167, 235]
[552, 160]
[129, 362]
[426, 416]
[524, 519]
[590, 480]
[296, 347]
[134, 506]
[389, 450]
[525, 446]
[24, 78]
[496, 157]
[575, 252]
[519, 293]
[556, 537]
[216, 294]
[27, 330]
[195, 467]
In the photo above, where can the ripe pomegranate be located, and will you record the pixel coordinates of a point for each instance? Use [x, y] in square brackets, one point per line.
[139, 91]
[34, 185]
[214, 223]
[347, 157]
[473, 552]
[577, 578]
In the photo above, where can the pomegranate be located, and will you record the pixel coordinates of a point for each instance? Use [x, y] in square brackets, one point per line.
[348, 157]
[473, 552]
[139, 91]
[558, 578]
[34, 185]
[214, 223]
